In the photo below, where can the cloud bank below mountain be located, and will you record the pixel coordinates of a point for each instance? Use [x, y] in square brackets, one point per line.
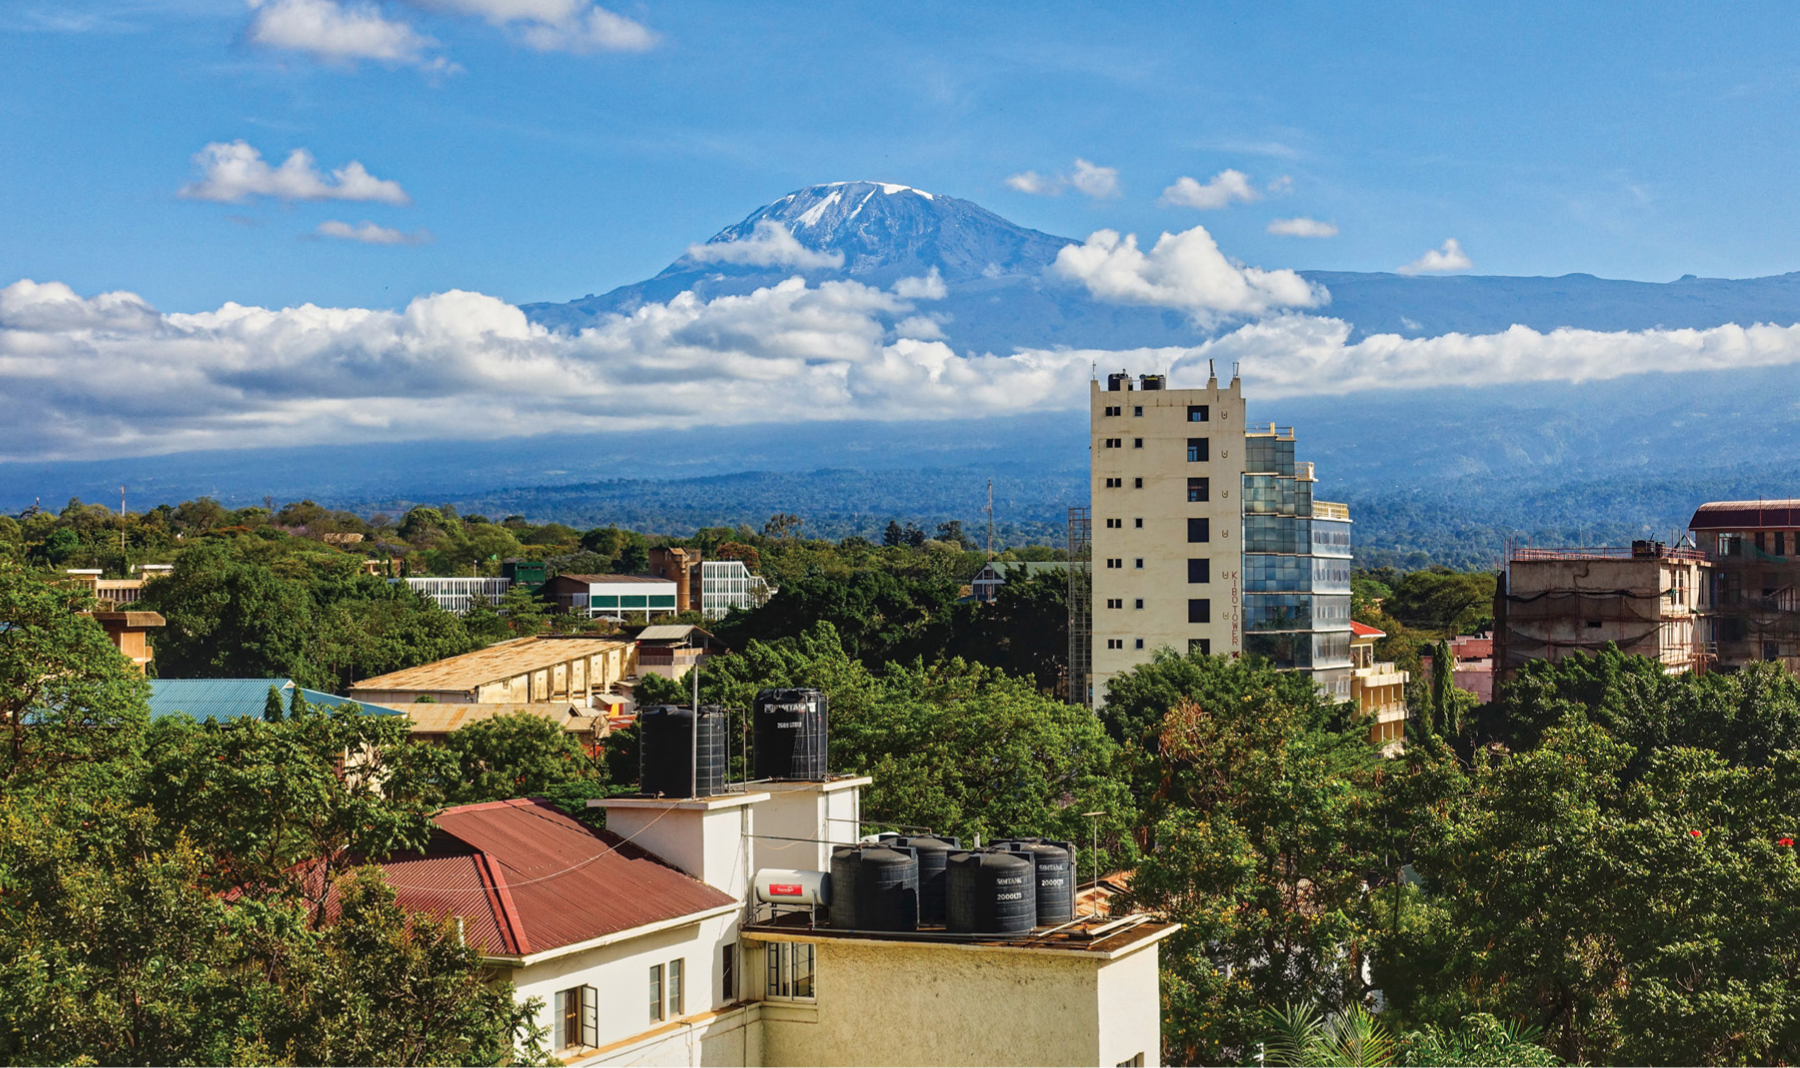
[109, 375]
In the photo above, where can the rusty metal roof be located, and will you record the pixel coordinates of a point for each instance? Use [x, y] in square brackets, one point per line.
[502, 661]
[556, 881]
[444, 718]
[1747, 515]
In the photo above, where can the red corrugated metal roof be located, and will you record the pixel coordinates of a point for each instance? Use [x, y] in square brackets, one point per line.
[1363, 630]
[562, 882]
[1747, 515]
[525, 879]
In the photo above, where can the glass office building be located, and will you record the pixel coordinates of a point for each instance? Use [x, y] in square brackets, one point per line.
[1296, 565]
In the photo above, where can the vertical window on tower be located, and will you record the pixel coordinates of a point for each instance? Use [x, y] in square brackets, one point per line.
[1199, 570]
[1200, 611]
[1197, 413]
[1199, 489]
[1137, 443]
[1138, 523]
[1196, 450]
[1137, 483]
[1199, 529]
[1137, 410]
[1139, 644]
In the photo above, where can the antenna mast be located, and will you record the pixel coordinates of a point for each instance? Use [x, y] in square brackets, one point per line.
[990, 543]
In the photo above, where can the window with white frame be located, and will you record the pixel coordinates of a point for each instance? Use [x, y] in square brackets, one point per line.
[791, 970]
[577, 1017]
[677, 1003]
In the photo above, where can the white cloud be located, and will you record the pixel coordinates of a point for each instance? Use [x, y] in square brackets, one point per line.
[233, 171]
[769, 245]
[1294, 355]
[1448, 257]
[1035, 184]
[370, 234]
[337, 33]
[1301, 226]
[558, 25]
[109, 375]
[1184, 270]
[1282, 186]
[1090, 179]
[1217, 192]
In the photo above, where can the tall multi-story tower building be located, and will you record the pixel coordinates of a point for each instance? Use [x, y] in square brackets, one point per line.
[1296, 565]
[1165, 482]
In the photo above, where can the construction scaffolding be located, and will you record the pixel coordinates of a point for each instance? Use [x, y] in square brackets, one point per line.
[1646, 600]
[1080, 676]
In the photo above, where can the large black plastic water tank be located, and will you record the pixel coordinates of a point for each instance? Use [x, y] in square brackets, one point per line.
[1055, 862]
[672, 762]
[992, 893]
[875, 888]
[792, 736]
[934, 880]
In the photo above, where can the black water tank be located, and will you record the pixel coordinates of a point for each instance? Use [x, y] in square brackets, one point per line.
[934, 880]
[875, 888]
[992, 893]
[668, 754]
[845, 863]
[1055, 862]
[792, 735]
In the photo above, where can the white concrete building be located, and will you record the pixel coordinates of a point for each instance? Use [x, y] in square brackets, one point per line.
[613, 596]
[455, 595]
[728, 584]
[646, 947]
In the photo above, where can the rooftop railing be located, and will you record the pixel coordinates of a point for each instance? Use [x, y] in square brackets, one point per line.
[1605, 552]
[1330, 510]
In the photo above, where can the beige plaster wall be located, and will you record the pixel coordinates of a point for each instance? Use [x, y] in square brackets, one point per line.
[890, 1003]
[1163, 506]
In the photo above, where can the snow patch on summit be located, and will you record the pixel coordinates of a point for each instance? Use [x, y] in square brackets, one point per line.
[812, 215]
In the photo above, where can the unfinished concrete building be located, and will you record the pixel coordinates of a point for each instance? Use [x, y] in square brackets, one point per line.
[1753, 549]
[1647, 599]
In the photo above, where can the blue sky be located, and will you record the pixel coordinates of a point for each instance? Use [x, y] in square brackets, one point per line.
[1625, 141]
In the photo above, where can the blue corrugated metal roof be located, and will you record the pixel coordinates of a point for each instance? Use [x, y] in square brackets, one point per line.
[236, 698]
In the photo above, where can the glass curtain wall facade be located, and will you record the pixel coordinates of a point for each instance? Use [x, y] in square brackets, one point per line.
[1296, 565]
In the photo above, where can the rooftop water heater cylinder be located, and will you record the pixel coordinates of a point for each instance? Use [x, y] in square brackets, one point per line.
[672, 762]
[792, 735]
[791, 886]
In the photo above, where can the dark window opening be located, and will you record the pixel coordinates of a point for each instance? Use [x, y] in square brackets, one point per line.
[1199, 570]
[1199, 489]
[1197, 450]
[1200, 610]
[1197, 413]
[1199, 530]
[1203, 646]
